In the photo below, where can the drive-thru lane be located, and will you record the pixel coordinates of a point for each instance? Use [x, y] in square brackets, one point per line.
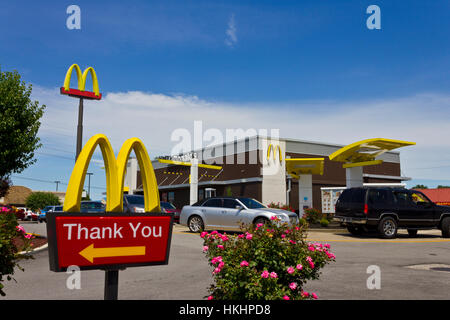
[188, 275]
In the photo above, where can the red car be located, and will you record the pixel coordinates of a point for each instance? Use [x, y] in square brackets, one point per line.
[167, 207]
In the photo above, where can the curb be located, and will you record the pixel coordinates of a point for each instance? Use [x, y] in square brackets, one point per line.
[35, 250]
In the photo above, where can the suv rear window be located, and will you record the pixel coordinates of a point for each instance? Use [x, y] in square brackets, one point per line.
[380, 196]
[359, 196]
[346, 196]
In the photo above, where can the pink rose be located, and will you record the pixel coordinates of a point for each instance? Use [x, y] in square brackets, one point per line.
[203, 234]
[217, 270]
[28, 236]
[249, 236]
[286, 298]
[210, 298]
[241, 236]
[299, 267]
[259, 225]
[225, 238]
[273, 218]
[220, 246]
[205, 248]
[20, 228]
[221, 264]
[244, 264]
[273, 275]
[290, 270]
[265, 274]
[216, 259]
[293, 285]
[314, 295]
[283, 236]
[305, 294]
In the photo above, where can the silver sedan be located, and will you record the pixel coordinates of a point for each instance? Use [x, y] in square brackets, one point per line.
[228, 213]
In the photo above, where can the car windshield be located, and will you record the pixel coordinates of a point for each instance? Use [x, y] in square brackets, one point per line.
[47, 208]
[251, 203]
[167, 205]
[135, 199]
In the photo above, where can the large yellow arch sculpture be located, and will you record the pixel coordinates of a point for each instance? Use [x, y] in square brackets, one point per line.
[364, 152]
[115, 175]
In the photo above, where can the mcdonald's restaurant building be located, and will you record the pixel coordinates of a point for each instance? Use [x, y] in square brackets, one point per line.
[246, 171]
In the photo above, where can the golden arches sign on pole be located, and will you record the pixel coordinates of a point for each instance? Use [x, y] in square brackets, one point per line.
[81, 77]
[115, 175]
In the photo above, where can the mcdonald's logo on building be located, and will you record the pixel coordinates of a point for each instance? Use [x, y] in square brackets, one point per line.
[115, 175]
[274, 150]
[81, 92]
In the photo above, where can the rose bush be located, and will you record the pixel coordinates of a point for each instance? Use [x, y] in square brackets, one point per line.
[280, 206]
[312, 215]
[267, 261]
[10, 232]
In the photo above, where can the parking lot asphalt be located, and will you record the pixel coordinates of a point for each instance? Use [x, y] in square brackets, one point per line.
[410, 268]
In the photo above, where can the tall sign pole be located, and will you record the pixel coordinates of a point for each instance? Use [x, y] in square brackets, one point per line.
[79, 129]
[82, 94]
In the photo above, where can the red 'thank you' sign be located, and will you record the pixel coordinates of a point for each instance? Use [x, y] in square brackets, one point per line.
[91, 241]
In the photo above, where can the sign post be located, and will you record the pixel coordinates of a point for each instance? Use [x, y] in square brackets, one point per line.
[81, 93]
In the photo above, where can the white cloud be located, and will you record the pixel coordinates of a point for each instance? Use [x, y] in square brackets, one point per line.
[422, 118]
[231, 39]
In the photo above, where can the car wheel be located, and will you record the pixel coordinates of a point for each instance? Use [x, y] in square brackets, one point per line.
[445, 227]
[412, 232]
[388, 228]
[195, 224]
[356, 231]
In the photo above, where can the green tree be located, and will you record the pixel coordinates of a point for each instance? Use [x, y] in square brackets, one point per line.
[19, 124]
[39, 200]
[420, 186]
[442, 187]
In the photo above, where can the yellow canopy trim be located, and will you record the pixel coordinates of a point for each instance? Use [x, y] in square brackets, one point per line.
[298, 166]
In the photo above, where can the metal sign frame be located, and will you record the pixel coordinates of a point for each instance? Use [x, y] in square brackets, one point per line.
[53, 245]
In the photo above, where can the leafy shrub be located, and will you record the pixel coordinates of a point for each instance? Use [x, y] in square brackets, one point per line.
[39, 200]
[324, 222]
[10, 231]
[267, 261]
[312, 215]
[280, 206]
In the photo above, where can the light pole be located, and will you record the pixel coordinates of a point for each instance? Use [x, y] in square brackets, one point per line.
[57, 182]
[89, 184]
[79, 129]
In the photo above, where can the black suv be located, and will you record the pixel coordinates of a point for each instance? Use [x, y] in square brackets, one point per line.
[388, 209]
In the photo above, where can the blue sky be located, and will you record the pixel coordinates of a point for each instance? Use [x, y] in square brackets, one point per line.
[285, 55]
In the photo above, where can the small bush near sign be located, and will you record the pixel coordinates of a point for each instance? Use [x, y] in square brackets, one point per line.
[11, 234]
[271, 261]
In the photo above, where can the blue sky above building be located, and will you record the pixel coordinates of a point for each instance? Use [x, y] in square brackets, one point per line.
[292, 55]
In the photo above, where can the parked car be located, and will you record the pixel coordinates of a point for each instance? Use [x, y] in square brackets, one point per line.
[227, 213]
[92, 206]
[29, 214]
[170, 208]
[387, 209]
[42, 214]
[135, 203]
